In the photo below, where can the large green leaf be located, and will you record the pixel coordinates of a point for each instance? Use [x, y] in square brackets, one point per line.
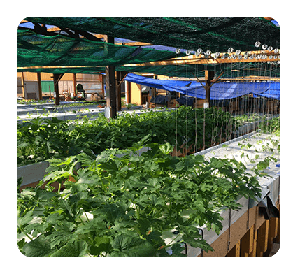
[124, 245]
[71, 249]
[39, 247]
[101, 244]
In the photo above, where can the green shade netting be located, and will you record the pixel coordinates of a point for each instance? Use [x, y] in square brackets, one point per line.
[232, 70]
[189, 71]
[39, 50]
[213, 33]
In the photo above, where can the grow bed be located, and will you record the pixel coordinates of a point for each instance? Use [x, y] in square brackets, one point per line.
[61, 113]
[254, 150]
[44, 108]
[120, 203]
[40, 139]
[152, 179]
[74, 112]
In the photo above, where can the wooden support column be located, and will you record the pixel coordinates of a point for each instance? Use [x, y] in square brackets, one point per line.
[111, 99]
[235, 251]
[118, 97]
[262, 239]
[74, 84]
[209, 75]
[56, 78]
[23, 86]
[56, 90]
[101, 79]
[128, 89]
[39, 78]
[111, 92]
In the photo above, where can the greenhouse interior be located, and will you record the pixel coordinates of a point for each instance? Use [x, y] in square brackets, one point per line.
[148, 136]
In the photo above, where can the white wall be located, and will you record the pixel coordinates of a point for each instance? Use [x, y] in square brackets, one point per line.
[31, 90]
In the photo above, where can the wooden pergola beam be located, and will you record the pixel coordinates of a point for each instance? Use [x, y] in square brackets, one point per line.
[204, 61]
[269, 18]
[192, 60]
[55, 67]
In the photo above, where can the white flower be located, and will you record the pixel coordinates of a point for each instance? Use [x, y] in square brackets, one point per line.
[88, 215]
[132, 205]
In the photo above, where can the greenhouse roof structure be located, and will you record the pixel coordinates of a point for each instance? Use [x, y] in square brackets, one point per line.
[213, 33]
[77, 45]
[38, 50]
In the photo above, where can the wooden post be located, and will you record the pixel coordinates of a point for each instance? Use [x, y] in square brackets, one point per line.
[110, 86]
[209, 75]
[23, 86]
[56, 89]
[118, 97]
[235, 251]
[262, 239]
[247, 243]
[128, 88]
[40, 96]
[273, 229]
[111, 91]
[102, 84]
[74, 84]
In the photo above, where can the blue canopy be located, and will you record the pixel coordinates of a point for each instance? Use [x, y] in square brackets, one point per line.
[218, 91]
[273, 91]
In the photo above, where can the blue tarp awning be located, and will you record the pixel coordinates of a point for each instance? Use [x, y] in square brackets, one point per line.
[219, 91]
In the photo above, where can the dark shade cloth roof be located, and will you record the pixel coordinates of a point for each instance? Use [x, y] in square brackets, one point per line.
[59, 50]
[213, 33]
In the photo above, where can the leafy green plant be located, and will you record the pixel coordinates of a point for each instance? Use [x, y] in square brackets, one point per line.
[119, 203]
[177, 127]
[270, 126]
[41, 139]
[259, 169]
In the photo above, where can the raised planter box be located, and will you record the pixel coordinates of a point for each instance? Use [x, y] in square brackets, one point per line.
[238, 222]
[239, 225]
[33, 173]
[63, 116]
